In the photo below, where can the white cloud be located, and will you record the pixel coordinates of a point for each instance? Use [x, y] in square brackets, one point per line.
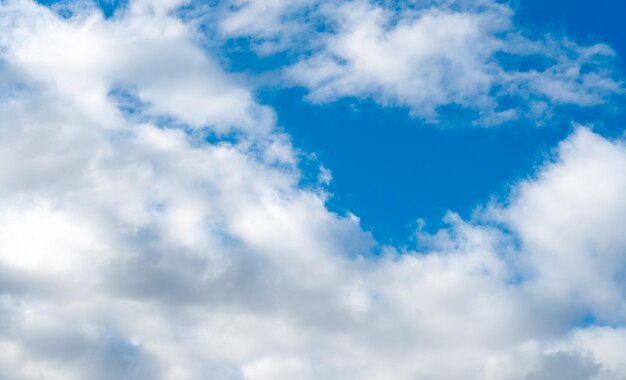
[142, 251]
[274, 23]
[437, 59]
[147, 52]
[425, 55]
[576, 249]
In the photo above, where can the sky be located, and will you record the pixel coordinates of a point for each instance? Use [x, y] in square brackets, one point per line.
[391, 173]
[304, 189]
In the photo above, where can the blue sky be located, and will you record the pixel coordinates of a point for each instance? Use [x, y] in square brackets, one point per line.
[312, 190]
[391, 169]
[583, 20]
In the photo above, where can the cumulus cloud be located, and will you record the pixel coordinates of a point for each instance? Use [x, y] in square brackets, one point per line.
[576, 248]
[86, 57]
[428, 55]
[131, 246]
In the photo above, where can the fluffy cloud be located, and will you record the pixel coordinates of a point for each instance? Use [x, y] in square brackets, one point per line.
[132, 247]
[425, 55]
[85, 58]
[576, 249]
[275, 24]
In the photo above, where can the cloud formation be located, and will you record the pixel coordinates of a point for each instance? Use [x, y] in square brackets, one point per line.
[131, 246]
[428, 55]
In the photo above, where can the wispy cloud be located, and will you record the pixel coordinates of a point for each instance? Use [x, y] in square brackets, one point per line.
[429, 55]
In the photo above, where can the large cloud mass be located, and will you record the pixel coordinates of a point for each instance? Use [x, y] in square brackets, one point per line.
[131, 247]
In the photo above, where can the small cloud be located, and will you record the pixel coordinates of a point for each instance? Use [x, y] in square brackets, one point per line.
[325, 176]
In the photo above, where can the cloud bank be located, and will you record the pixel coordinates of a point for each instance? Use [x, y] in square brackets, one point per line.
[134, 246]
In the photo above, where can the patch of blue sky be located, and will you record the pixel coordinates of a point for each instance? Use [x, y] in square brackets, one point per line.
[109, 7]
[581, 20]
[122, 353]
[524, 63]
[390, 169]
[587, 320]
[127, 100]
[62, 7]
[239, 56]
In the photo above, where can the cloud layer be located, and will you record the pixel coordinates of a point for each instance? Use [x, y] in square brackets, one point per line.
[132, 247]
